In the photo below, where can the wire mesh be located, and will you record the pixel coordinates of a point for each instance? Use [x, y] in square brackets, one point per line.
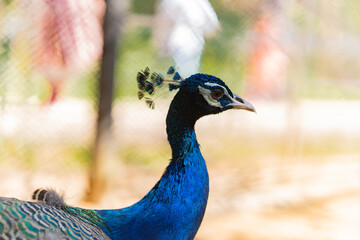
[297, 60]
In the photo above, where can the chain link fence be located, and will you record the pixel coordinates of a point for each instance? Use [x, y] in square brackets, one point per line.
[276, 53]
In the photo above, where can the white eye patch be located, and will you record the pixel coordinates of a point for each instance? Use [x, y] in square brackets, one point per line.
[206, 93]
[207, 96]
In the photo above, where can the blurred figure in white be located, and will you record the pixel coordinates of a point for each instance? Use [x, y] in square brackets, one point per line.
[180, 30]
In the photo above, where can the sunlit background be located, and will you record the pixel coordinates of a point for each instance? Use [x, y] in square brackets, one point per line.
[291, 171]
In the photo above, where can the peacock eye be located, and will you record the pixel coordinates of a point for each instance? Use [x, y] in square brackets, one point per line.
[217, 93]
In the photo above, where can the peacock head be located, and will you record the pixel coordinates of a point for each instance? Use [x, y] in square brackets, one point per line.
[211, 95]
[201, 94]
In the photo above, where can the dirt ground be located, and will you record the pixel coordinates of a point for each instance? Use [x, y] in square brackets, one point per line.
[297, 201]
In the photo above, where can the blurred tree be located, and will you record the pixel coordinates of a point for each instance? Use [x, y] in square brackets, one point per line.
[103, 146]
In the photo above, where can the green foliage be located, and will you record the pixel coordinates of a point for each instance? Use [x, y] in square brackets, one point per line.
[7, 2]
[327, 90]
[137, 51]
[144, 154]
[80, 155]
[84, 86]
[349, 13]
[223, 55]
[31, 155]
[143, 7]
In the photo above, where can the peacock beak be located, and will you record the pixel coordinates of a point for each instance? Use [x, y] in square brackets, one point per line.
[240, 103]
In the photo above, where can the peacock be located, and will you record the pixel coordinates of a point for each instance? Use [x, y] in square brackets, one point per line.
[172, 209]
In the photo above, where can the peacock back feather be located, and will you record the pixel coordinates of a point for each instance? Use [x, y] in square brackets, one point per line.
[36, 220]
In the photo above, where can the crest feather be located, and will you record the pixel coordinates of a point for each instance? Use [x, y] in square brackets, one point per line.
[148, 83]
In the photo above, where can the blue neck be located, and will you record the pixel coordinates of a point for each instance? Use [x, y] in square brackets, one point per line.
[174, 208]
[181, 134]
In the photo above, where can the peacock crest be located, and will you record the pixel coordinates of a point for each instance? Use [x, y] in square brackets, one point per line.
[148, 83]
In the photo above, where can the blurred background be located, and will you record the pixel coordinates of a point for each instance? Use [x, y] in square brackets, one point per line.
[292, 171]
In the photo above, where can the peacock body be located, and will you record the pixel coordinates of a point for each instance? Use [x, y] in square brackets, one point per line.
[174, 207]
